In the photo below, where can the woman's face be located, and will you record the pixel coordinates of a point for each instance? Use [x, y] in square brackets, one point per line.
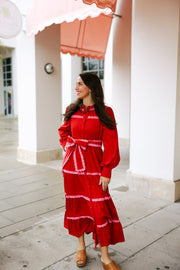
[82, 90]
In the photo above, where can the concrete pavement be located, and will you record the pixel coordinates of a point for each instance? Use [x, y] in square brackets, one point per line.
[31, 218]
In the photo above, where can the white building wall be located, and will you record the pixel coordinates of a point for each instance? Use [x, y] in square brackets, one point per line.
[48, 88]
[117, 80]
[177, 122]
[153, 98]
[26, 85]
[70, 68]
[108, 67]
[40, 98]
[122, 67]
[66, 76]
[77, 69]
[39, 101]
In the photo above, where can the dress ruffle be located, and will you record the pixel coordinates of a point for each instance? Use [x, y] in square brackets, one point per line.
[92, 211]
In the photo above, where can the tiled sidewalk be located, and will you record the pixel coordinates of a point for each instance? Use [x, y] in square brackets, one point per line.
[31, 219]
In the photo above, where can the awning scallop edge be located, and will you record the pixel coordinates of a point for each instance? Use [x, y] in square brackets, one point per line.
[102, 3]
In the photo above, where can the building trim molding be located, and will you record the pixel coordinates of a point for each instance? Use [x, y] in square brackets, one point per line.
[34, 157]
[154, 187]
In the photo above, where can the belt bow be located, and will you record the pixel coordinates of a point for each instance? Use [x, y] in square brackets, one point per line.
[78, 158]
[76, 146]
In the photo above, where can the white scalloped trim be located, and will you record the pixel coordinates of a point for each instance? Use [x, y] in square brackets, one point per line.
[70, 18]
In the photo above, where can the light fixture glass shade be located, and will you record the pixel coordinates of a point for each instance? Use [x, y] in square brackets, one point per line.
[49, 68]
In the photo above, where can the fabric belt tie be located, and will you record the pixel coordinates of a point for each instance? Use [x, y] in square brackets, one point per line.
[76, 146]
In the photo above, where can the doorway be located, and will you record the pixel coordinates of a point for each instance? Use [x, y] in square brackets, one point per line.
[8, 87]
[8, 101]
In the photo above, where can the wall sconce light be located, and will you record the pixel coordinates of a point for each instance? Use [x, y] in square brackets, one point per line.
[49, 68]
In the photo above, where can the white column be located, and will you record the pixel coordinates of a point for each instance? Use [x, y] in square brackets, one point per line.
[118, 69]
[177, 122]
[108, 68]
[155, 28]
[26, 85]
[39, 97]
[70, 69]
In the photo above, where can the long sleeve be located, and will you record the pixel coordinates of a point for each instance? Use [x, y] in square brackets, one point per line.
[111, 156]
[64, 132]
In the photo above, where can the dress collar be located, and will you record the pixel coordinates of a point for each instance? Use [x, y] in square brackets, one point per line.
[85, 109]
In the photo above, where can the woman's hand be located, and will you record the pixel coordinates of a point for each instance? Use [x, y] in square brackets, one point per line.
[104, 181]
[66, 146]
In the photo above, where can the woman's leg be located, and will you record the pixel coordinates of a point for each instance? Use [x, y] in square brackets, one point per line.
[81, 242]
[105, 255]
[81, 252]
[107, 263]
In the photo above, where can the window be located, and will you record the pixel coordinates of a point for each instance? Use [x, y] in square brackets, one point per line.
[93, 65]
[7, 73]
[7, 85]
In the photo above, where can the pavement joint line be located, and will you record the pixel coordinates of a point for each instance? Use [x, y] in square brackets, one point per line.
[27, 192]
[46, 268]
[18, 177]
[135, 221]
[41, 222]
[31, 191]
[145, 216]
[28, 203]
[29, 175]
[30, 227]
[34, 182]
[159, 238]
[178, 226]
[7, 219]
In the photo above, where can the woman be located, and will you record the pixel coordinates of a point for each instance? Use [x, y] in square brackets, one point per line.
[87, 169]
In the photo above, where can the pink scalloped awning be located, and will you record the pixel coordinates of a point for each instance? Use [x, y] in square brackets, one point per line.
[103, 3]
[84, 28]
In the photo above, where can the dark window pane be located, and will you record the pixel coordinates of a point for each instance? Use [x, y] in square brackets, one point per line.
[5, 83]
[8, 68]
[9, 82]
[85, 66]
[4, 76]
[93, 65]
[9, 102]
[95, 72]
[101, 74]
[8, 61]
[101, 64]
[4, 68]
[9, 75]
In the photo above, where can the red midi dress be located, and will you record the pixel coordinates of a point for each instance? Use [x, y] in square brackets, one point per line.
[88, 207]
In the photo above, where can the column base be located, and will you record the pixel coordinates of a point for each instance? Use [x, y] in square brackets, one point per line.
[32, 157]
[124, 142]
[154, 187]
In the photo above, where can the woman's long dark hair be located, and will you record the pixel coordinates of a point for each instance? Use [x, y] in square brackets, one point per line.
[93, 82]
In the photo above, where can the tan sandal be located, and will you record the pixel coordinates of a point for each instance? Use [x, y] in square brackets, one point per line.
[81, 257]
[111, 266]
